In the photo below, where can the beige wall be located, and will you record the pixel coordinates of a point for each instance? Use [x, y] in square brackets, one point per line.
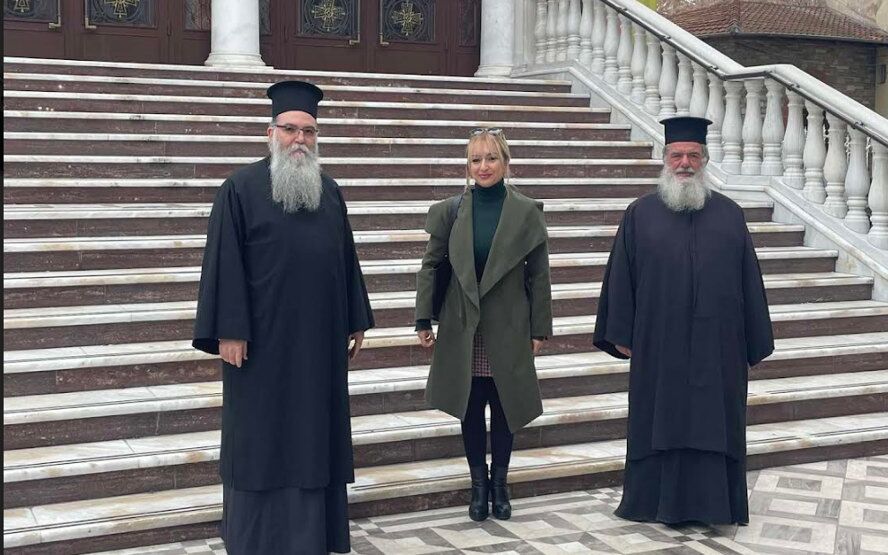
[874, 11]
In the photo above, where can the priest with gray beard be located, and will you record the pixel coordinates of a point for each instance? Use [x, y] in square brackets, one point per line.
[683, 299]
[282, 300]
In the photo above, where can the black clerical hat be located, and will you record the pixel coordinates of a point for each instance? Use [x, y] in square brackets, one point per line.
[294, 95]
[686, 129]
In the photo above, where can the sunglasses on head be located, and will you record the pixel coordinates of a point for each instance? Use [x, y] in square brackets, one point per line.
[489, 130]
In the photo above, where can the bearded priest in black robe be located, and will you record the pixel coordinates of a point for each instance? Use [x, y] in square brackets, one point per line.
[283, 301]
[683, 298]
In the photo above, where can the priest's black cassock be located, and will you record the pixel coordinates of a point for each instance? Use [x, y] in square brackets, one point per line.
[683, 290]
[290, 284]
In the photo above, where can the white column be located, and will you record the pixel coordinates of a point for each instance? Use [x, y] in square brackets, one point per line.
[552, 31]
[667, 83]
[234, 33]
[700, 96]
[497, 38]
[599, 30]
[835, 168]
[611, 45]
[878, 197]
[624, 56]
[639, 55]
[573, 30]
[715, 112]
[772, 132]
[684, 87]
[732, 128]
[539, 31]
[794, 142]
[752, 129]
[586, 35]
[814, 154]
[857, 184]
[652, 75]
[561, 30]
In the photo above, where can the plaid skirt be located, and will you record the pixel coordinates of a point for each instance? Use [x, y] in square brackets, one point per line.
[480, 362]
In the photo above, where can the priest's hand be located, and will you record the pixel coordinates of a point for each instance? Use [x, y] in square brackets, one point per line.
[624, 350]
[358, 339]
[537, 345]
[426, 338]
[233, 351]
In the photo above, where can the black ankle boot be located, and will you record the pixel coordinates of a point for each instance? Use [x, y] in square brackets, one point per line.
[478, 508]
[499, 493]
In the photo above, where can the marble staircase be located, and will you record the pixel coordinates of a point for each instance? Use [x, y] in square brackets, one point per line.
[111, 419]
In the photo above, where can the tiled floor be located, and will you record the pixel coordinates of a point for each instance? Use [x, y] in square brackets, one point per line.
[834, 507]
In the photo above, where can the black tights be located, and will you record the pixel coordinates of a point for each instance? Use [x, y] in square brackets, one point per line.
[474, 428]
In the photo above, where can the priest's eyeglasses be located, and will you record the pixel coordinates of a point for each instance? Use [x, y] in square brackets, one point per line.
[490, 130]
[309, 132]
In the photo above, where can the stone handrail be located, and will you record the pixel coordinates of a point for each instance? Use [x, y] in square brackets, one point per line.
[666, 71]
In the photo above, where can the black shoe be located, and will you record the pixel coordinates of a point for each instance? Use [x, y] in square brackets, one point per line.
[499, 493]
[478, 508]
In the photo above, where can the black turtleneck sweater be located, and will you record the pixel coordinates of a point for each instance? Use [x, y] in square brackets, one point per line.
[487, 205]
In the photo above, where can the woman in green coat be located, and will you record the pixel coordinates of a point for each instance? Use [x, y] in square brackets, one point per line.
[496, 313]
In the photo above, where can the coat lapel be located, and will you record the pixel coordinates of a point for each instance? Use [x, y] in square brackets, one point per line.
[513, 240]
[462, 250]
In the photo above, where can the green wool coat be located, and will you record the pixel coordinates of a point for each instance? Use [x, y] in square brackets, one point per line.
[511, 304]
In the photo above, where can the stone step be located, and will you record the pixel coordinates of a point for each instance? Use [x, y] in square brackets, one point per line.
[38, 121]
[129, 285]
[41, 328]
[267, 75]
[126, 190]
[183, 167]
[147, 144]
[120, 219]
[205, 105]
[92, 367]
[176, 515]
[93, 253]
[81, 84]
[60, 473]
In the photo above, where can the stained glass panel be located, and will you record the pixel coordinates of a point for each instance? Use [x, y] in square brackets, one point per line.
[264, 17]
[408, 20]
[330, 18]
[133, 13]
[197, 15]
[469, 22]
[31, 10]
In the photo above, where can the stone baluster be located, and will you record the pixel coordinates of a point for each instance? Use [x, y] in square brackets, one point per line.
[794, 142]
[652, 70]
[814, 155]
[611, 46]
[857, 184]
[539, 32]
[772, 132]
[639, 56]
[599, 32]
[700, 96]
[684, 88]
[552, 32]
[667, 83]
[715, 112]
[586, 35]
[732, 127]
[561, 30]
[878, 197]
[624, 56]
[573, 30]
[752, 129]
[836, 167]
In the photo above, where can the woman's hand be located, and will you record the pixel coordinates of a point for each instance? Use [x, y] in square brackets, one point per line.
[536, 345]
[426, 338]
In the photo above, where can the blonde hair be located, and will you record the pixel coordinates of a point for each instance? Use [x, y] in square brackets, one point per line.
[497, 141]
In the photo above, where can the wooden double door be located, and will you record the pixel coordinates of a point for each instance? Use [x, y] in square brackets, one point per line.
[437, 37]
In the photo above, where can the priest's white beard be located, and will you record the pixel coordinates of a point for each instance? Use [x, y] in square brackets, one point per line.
[295, 180]
[687, 194]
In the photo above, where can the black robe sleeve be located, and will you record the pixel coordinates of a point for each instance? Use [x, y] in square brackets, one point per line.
[360, 315]
[757, 319]
[616, 306]
[223, 308]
